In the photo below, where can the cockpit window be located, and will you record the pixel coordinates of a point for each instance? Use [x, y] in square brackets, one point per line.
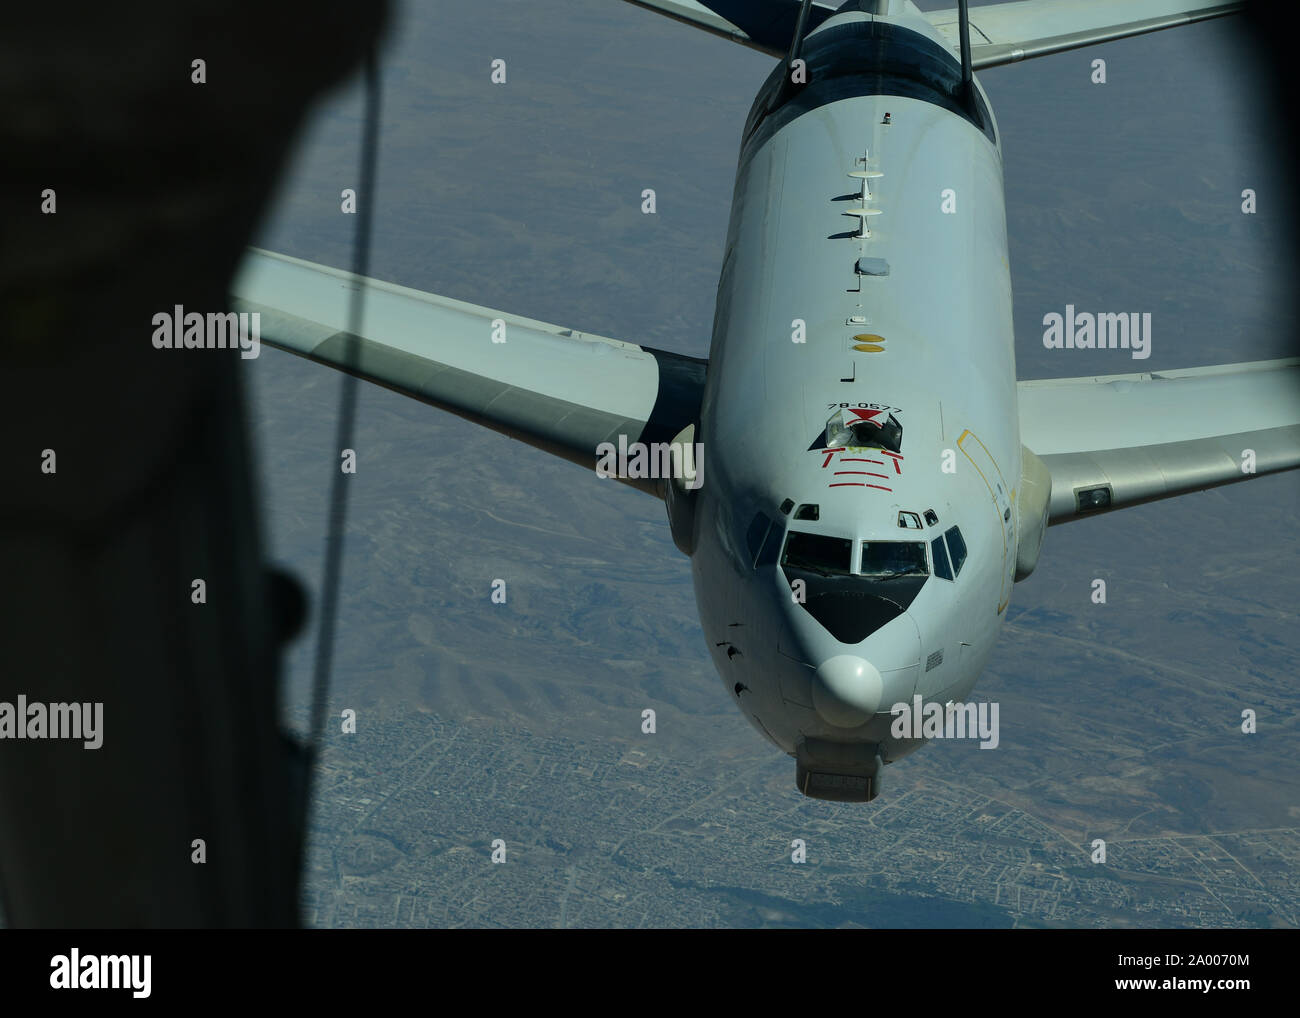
[830, 556]
[758, 529]
[809, 511]
[884, 560]
[763, 540]
[958, 548]
[942, 567]
[771, 547]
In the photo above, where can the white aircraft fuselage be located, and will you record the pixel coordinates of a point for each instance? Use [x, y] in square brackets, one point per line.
[869, 372]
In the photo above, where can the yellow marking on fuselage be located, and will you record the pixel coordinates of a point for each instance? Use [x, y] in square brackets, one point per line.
[1005, 549]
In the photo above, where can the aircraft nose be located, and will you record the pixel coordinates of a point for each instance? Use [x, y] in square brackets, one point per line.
[847, 691]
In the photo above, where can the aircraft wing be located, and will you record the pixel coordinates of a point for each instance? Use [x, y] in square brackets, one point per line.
[554, 388]
[765, 25]
[1113, 441]
[1007, 32]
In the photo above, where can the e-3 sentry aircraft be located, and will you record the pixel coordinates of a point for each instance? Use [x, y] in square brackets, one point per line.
[871, 479]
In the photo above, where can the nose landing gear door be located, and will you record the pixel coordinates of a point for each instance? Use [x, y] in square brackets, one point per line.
[982, 460]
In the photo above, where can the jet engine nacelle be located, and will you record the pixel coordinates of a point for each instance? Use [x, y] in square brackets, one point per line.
[1033, 501]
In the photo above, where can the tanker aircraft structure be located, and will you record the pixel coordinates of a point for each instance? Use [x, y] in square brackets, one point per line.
[855, 472]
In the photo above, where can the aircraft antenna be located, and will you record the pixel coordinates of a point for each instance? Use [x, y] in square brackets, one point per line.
[796, 45]
[796, 41]
[963, 25]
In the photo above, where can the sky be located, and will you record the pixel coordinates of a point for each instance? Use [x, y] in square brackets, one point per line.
[1120, 721]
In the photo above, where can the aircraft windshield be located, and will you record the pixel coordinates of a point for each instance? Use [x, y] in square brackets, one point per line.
[853, 606]
[885, 560]
[830, 556]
